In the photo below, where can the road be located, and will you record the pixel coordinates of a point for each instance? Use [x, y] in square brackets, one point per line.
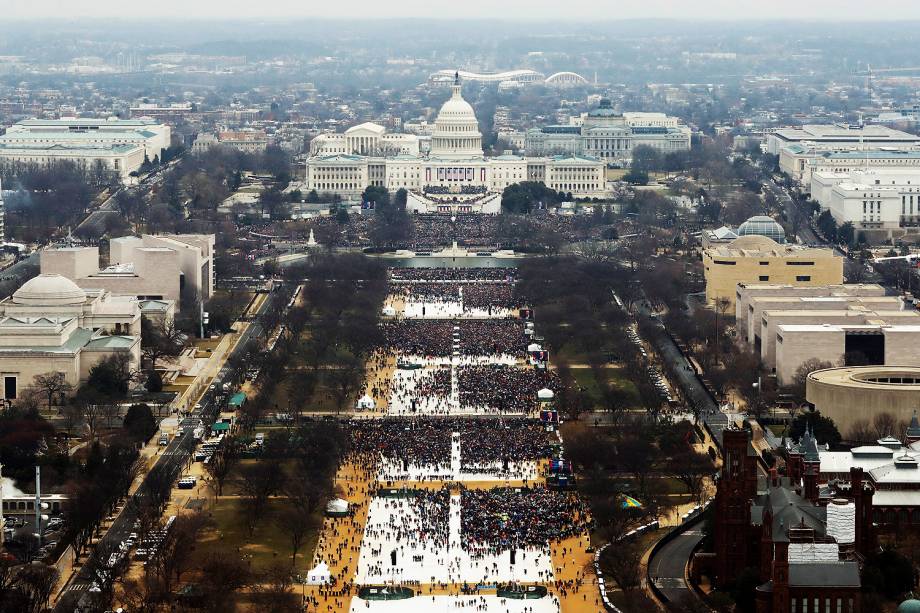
[96, 218]
[689, 383]
[666, 569]
[172, 457]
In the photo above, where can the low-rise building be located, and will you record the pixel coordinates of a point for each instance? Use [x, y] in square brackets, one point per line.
[845, 344]
[52, 325]
[848, 394]
[745, 293]
[152, 136]
[839, 136]
[122, 160]
[759, 259]
[149, 267]
[881, 203]
[805, 548]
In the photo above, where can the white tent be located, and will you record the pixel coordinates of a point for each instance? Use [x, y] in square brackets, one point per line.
[545, 394]
[366, 403]
[337, 506]
[533, 347]
[389, 311]
[319, 575]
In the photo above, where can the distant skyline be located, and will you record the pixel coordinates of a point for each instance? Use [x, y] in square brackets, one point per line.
[571, 10]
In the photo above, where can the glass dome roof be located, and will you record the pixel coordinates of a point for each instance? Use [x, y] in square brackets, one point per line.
[761, 225]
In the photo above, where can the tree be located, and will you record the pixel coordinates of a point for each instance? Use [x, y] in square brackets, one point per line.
[140, 422]
[221, 464]
[175, 554]
[691, 468]
[890, 574]
[824, 429]
[645, 159]
[861, 431]
[259, 482]
[636, 177]
[52, 384]
[827, 225]
[160, 340]
[846, 233]
[273, 591]
[111, 376]
[884, 424]
[222, 576]
[624, 564]
[523, 197]
[297, 520]
[799, 379]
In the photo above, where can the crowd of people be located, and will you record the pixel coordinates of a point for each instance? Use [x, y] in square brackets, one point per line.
[498, 519]
[434, 337]
[443, 273]
[426, 441]
[421, 442]
[488, 441]
[506, 389]
[419, 518]
[435, 230]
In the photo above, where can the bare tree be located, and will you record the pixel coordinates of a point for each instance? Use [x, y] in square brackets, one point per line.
[274, 593]
[884, 424]
[259, 482]
[861, 431]
[297, 519]
[52, 384]
[221, 464]
[624, 564]
[174, 556]
[691, 468]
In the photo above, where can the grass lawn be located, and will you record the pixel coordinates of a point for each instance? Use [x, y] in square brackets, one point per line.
[269, 544]
[322, 400]
[586, 379]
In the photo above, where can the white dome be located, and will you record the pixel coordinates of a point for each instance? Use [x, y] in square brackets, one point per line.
[456, 130]
[545, 394]
[49, 290]
[456, 108]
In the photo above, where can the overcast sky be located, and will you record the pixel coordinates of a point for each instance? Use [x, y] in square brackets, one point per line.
[574, 10]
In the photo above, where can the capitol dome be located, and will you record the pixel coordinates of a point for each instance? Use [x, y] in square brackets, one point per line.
[761, 225]
[49, 290]
[456, 130]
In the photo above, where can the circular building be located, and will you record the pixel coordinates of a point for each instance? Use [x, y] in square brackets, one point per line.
[849, 393]
[761, 225]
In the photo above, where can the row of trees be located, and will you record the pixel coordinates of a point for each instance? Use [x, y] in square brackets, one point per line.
[49, 197]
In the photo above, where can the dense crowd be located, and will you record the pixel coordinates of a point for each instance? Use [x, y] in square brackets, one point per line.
[452, 274]
[421, 442]
[426, 441]
[424, 520]
[431, 231]
[435, 337]
[506, 389]
[495, 520]
[518, 439]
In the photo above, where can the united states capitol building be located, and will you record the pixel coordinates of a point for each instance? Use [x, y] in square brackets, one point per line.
[453, 176]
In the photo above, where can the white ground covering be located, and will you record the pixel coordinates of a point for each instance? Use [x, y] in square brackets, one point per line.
[466, 604]
[450, 309]
[517, 471]
[428, 562]
[405, 381]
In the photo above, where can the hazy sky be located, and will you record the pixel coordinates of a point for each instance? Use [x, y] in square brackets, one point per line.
[576, 10]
